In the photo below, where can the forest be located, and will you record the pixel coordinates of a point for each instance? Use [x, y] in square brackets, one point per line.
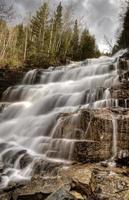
[123, 39]
[50, 38]
[47, 39]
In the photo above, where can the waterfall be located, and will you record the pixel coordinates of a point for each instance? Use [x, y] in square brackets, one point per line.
[115, 135]
[111, 162]
[30, 126]
[30, 77]
[126, 103]
[107, 97]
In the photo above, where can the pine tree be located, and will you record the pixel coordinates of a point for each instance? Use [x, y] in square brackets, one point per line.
[75, 42]
[57, 31]
[20, 42]
[58, 18]
[46, 40]
[87, 46]
[38, 28]
[37, 37]
[123, 40]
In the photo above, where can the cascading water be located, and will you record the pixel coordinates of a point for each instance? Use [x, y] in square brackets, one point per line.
[28, 126]
[115, 135]
[111, 162]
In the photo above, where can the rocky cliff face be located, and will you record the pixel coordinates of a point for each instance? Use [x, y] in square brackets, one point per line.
[96, 136]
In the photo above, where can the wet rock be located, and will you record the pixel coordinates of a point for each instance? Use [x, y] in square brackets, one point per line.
[82, 182]
[3, 105]
[46, 167]
[61, 194]
[122, 65]
[96, 129]
[123, 154]
[125, 55]
[9, 77]
[104, 183]
[11, 156]
[37, 196]
[123, 158]
[84, 189]
[38, 188]
[87, 151]
[5, 197]
[104, 164]
[108, 184]
[120, 92]
[79, 172]
[25, 160]
[72, 191]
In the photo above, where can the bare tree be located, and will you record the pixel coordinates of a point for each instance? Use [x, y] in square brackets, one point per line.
[108, 42]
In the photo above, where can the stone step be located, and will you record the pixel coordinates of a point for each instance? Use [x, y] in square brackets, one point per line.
[73, 134]
[90, 151]
[80, 151]
[53, 154]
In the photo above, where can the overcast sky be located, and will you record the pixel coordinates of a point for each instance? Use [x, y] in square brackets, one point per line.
[101, 16]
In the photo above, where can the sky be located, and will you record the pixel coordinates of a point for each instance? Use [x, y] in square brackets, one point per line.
[100, 16]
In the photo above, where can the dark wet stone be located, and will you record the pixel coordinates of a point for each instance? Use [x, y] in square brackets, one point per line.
[37, 196]
[61, 194]
[25, 160]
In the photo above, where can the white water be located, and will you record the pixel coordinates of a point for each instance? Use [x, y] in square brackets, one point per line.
[111, 162]
[28, 127]
[115, 135]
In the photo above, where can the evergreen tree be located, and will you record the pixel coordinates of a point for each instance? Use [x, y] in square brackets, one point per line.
[37, 37]
[57, 31]
[20, 41]
[46, 40]
[56, 34]
[123, 40]
[87, 46]
[58, 18]
[75, 42]
[38, 28]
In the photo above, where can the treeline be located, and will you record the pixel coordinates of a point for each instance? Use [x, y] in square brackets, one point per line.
[48, 39]
[123, 39]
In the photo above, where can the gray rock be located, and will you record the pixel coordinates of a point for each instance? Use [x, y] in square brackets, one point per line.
[61, 194]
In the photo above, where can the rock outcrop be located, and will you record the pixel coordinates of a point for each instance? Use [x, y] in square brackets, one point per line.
[78, 182]
[95, 132]
[9, 78]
